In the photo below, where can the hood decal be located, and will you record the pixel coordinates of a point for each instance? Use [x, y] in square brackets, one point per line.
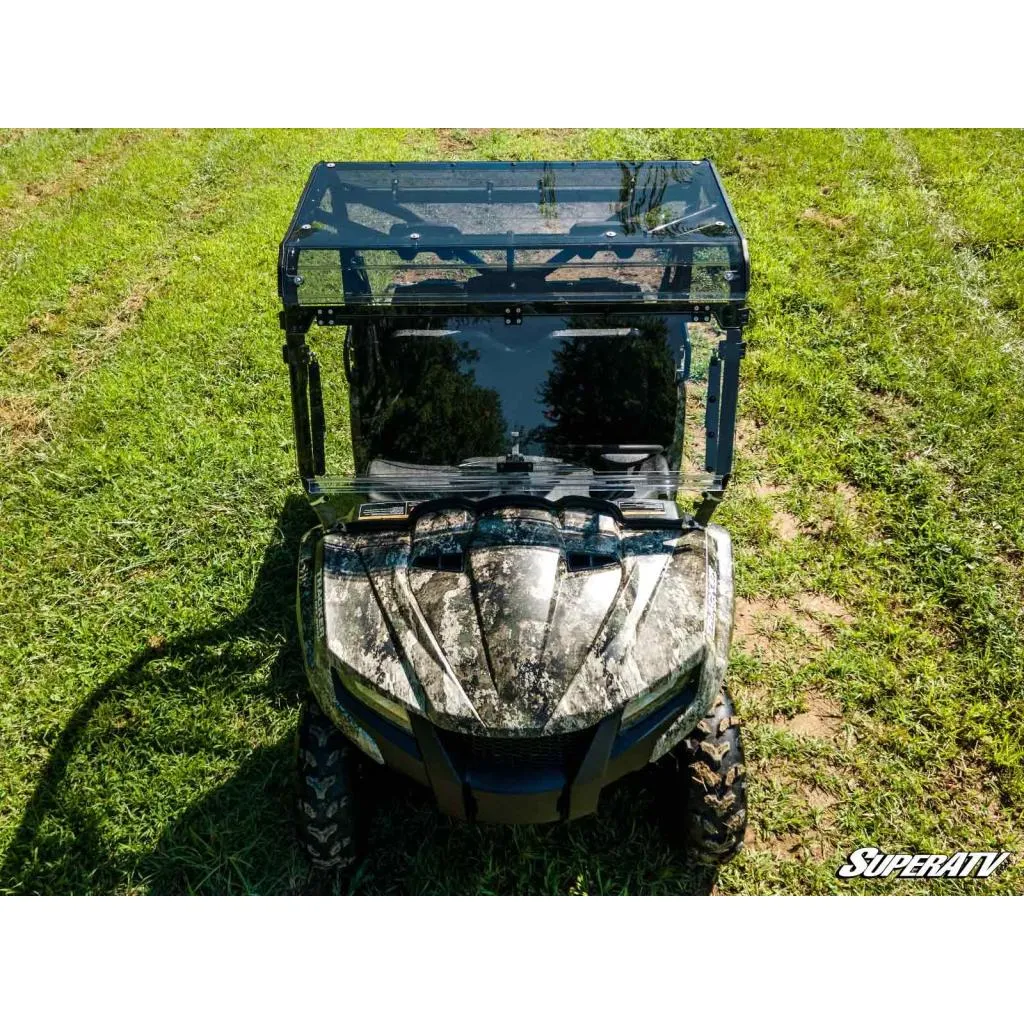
[516, 592]
[517, 640]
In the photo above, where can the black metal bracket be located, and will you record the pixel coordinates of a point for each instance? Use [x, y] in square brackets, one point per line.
[301, 318]
[317, 418]
[296, 319]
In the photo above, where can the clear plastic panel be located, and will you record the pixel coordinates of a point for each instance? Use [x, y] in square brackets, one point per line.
[555, 406]
[376, 234]
[704, 341]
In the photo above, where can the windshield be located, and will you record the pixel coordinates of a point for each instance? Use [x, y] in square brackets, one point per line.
[460, 390]
[556, 407]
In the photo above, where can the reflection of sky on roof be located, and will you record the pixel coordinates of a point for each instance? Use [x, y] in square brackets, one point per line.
[495, 199]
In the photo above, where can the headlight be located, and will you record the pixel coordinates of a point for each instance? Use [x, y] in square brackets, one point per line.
[658, 694]
[374, 699]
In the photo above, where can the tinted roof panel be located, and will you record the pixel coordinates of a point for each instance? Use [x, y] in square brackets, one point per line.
[457, 233]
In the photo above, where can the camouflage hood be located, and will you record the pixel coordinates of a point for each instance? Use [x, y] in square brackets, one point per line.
[518, 620]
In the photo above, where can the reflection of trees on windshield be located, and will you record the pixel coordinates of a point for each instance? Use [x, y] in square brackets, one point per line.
[642, 193]
[424, 394]
[617, 390]
[415, 399]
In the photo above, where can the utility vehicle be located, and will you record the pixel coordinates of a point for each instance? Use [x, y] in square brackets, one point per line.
[514, 595]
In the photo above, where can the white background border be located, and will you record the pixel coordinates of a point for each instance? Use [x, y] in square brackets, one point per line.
[515, 63]
[497, 960]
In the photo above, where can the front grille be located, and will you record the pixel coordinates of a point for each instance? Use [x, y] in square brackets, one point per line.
[440, 561]
[576, 561]
[563, 752]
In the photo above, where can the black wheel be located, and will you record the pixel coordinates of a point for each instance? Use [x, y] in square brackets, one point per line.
[708, 784]
[328, 813]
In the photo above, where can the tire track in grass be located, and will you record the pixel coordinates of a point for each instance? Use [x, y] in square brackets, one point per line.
[983, 189]
[789, 380]
[995, 325]
[218, 288]
[46, 168]
[49, 366]
[997, 236]
[63, 255]
[971, 270]
[988, 488]
[953, 486]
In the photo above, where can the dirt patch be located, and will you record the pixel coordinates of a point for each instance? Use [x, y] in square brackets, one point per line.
[887, 408]
[748, 436]
[822, 720]
[969, 791]
[762, 625]
[901, 291]
[128, 311]
[813, 214]
[817, 799]
[848, 496]
[813, 841]
[786, 526]
[748, 632]
[784, 847]
[821, 607]
[765, 489]
[455, 141]
[8, 136]
[21, 420]
[27, 351]
[845, 505]
[70, 181]
[791, 846]
[73, 179]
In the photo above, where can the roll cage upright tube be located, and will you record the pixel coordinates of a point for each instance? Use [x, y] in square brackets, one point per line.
[720, 418]
[297, 355]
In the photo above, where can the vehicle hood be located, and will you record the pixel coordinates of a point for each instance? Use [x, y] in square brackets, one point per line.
[517, 620]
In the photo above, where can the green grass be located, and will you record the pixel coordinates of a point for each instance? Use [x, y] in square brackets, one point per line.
[149, 679]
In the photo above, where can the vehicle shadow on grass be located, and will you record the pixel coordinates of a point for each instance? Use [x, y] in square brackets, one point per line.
[100, 795]
[239, 837]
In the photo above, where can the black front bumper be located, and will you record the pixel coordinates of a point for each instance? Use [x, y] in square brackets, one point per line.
[518, 780]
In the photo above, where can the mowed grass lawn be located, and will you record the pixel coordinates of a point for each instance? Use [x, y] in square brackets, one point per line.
[150, 514]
